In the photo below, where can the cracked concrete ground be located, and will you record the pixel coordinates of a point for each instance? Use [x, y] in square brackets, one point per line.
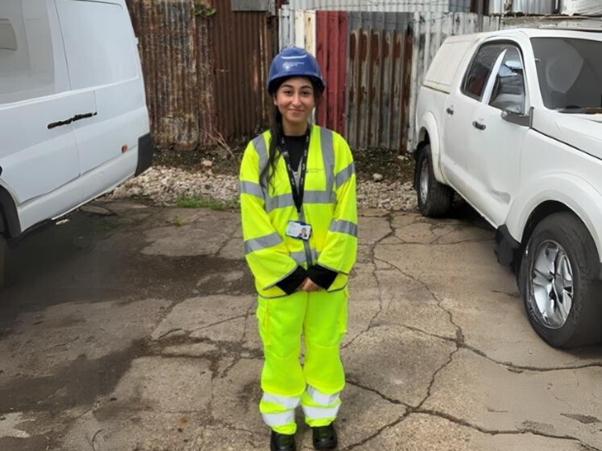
[136, 332]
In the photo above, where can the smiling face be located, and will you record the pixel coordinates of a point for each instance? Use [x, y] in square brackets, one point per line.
[295, 100]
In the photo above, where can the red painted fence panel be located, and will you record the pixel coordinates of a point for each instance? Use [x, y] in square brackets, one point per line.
[332, 36]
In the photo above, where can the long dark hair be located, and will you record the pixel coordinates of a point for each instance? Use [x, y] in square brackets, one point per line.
[277, 132]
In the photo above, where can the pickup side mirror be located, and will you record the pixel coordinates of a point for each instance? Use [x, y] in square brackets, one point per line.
[515, 115]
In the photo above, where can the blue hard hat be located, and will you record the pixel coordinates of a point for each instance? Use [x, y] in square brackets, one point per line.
[294, 62]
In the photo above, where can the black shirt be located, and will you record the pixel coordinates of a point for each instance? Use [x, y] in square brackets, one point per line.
[295, 145]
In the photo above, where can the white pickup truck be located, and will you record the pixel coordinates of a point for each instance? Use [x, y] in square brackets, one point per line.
[512, 122]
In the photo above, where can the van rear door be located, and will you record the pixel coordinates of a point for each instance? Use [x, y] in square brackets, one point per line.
[105, 73]
[38, 152]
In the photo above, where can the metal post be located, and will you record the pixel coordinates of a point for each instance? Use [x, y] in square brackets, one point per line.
[480, 9]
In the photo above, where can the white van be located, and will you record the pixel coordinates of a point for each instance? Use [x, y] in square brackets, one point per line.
[73, 116]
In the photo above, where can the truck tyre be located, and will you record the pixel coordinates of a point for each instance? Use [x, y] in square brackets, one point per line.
[434, 198]
[558, 282]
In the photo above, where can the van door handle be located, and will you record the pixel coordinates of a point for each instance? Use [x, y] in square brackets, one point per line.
[479, 125]
[77, 117]
[450, 111]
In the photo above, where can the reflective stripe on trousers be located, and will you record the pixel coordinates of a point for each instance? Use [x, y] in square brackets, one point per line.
[278, 412]
[320, 409]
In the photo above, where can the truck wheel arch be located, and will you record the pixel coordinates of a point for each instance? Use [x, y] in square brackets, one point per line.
[557, 193]
[10, 226]
[428, 130]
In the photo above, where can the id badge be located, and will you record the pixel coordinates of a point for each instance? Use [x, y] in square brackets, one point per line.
[298, 230]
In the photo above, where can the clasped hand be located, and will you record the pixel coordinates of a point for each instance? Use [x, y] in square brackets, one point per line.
[309, 286]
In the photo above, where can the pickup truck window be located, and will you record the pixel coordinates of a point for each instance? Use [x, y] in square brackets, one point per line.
[570, 74]
[509, 87]
[480, 69]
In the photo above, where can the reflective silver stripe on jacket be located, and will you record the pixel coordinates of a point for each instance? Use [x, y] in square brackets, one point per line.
[252, 189]
[317, 197]
[300, 257]
[262, 242]
[262, 151]
[344, 175]
[327, 145]
[282, 201]
[344, 227]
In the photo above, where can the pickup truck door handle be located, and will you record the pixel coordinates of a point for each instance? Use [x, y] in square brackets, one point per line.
[77, 117]
[479, 125]
[450, 111]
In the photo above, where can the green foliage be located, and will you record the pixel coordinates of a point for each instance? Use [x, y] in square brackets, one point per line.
[213, 204]
[203, 11]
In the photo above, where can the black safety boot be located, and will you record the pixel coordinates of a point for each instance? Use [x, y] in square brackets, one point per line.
[325, 437]
[282, 442]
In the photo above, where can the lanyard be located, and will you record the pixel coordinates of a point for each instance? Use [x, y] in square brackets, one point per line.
[297, 191]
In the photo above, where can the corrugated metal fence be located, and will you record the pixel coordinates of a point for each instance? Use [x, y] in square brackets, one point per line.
[387, 58]
[205, 69]
[400, 6]
[205, 65]
[379, 63]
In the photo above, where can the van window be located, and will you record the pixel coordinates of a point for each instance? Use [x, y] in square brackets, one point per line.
[480, 69]
[98, 43]
[8, 40]
[26, 51]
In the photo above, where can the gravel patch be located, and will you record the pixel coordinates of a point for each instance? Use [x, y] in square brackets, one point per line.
[164, 185]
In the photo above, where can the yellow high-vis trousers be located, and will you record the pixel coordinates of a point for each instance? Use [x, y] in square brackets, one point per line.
[322, 319]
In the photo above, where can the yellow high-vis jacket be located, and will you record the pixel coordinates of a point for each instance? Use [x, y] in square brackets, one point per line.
[329, 207]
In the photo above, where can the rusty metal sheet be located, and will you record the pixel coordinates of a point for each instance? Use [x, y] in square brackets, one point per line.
[205, 86]
[243, 51]
[165, 29]
[379, 74]
[205, 68]
[331, 49]
[561, 22]
[253, 5]
[522, 6]
[582, 7]
[440, 6]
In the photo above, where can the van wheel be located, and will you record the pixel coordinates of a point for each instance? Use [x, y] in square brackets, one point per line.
[434, 198]
[558, 282]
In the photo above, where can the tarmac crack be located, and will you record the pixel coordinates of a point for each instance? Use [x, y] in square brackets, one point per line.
[460, 340]
[378, 393]
[377, 433]
[377, 280]
[227, 241]
[459, 333]
[65, 344]
[207, 326]
[491, 432]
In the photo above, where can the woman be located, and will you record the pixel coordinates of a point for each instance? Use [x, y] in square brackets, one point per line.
[299, 219]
